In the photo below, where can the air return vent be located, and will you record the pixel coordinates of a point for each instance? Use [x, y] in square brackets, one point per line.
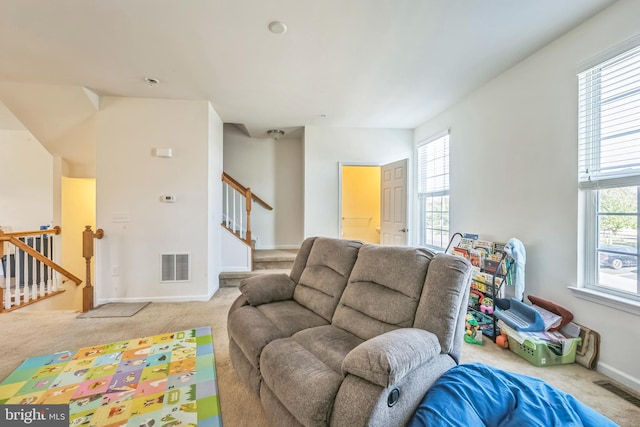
[175, 267]
[618, 391]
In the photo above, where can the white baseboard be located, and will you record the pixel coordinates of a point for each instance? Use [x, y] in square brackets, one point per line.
[619, 376]
[157, 299]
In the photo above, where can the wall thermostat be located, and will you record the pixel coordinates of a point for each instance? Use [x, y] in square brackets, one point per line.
[163, 152]
[168, 199]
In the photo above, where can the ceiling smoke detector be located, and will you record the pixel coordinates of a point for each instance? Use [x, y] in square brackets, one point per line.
[275, 133]
[277, 27]
[151, 81]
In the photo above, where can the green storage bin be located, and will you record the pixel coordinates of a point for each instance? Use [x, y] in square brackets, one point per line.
[539, 354]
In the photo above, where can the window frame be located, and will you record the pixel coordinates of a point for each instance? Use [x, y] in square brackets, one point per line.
[589, 145]
[424, 196]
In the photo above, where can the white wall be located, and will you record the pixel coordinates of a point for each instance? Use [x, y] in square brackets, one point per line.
[237, 255]
[214, 212]
[324, 148]
[514, 173]
[130, 181]
[273, 171]
[78, 202]
[26, 198]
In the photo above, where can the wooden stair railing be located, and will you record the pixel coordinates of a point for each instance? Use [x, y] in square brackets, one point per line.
[236, 217]
[31, 267]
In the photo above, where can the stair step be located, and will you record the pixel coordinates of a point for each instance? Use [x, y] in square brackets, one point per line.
[265, 261]
[233, 279]
[32, 301]
[273, 259]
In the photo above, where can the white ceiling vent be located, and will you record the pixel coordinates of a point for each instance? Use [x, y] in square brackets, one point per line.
[175, 267]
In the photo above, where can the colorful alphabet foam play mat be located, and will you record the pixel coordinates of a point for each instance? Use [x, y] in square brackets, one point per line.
[161, 380]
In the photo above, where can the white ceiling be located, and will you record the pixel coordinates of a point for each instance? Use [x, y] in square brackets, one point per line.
[362, 63]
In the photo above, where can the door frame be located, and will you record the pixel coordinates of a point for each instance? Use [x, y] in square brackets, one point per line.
[409, 201]
[340, 165]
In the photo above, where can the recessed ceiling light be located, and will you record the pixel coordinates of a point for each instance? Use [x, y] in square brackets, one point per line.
[151, 81]
[277, 27]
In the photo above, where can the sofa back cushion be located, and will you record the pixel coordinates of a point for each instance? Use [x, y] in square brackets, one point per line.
[325, 274]
[383, 291]
[301, 259]
[443, 303]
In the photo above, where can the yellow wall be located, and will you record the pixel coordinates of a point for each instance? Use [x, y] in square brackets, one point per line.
[78, 210]
[361, 203]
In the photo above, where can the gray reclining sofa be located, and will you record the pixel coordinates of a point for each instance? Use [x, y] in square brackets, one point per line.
[355, 335]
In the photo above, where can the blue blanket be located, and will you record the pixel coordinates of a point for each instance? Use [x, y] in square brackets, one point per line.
[480, 395]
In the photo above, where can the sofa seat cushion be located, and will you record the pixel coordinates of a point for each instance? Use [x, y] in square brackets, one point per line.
[290, 317]
[304, 371]
[252, 328]
[329, 344]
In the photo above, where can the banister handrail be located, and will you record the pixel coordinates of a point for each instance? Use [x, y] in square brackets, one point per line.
[242, 189]
[4, 237]
[29, 272]
[54, 230]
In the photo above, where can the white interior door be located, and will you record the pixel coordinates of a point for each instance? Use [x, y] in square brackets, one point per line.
[393, 215]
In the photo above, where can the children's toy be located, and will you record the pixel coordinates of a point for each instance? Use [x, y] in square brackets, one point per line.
[502, 341]
[486, 305]
[474, 297]
[473, 335]
[521, 317]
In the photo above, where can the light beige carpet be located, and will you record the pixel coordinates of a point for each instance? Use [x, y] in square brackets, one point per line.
[115, 309]
[28, 334]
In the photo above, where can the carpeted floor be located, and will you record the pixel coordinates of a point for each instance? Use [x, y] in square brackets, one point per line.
[27, 334]
[115, 309]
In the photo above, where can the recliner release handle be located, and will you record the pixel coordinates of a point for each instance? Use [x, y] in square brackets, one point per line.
[393, 397]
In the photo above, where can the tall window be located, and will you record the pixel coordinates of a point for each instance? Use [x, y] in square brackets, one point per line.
[433, 191]
[609, 173]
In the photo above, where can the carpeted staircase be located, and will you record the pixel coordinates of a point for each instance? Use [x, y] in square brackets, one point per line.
[264, 261]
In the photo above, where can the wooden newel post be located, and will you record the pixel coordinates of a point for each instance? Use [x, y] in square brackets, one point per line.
[248, 197]
[87, 252]
[4, 273]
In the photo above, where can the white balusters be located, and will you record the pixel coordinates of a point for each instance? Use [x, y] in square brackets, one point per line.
[236, 206]
[7, 276]
[53, 284]
[30, 272]
[233, 212]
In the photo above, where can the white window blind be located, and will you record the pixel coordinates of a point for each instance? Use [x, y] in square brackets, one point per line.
[609, 122]
[433, 190]
[433, 167]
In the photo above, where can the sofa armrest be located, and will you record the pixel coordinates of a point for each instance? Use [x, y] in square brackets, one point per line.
[267, 288]
[387, 358]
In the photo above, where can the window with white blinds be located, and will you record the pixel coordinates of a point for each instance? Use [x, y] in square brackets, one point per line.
[609, 172]
[433, 191]
[609, 122]
[433, 166]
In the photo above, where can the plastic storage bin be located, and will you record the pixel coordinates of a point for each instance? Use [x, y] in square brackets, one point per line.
[539, 354]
